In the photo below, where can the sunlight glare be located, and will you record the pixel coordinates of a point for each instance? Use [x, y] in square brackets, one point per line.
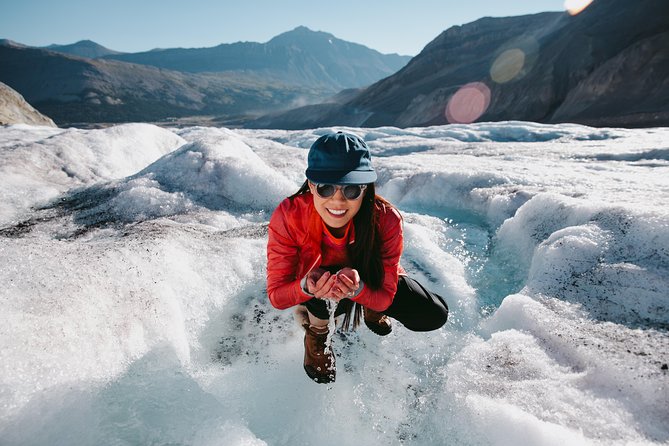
[507, 65]
[575, 7]
[468, 103]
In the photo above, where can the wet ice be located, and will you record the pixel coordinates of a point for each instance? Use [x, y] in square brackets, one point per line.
[134, 308]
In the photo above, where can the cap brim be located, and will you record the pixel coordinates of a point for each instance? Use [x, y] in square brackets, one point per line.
[334, 177]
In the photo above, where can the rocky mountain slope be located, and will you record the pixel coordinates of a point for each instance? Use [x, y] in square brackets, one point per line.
[608, 65]
[283, 74]
[83, 48]
[74, 90]
[300, 57]
[15, 110]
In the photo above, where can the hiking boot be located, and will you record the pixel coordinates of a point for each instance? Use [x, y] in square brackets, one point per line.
[379, 323]
[319, 365]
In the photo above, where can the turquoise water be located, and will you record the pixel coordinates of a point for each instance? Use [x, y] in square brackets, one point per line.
[489, 269]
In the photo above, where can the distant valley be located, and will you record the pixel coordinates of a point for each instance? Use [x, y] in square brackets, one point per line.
[88, 83]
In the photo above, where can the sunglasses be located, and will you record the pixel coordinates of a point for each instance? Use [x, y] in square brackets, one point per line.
[350, 191]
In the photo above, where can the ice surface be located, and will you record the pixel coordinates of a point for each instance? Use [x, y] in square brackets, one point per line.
[37, 164]
[134, 308]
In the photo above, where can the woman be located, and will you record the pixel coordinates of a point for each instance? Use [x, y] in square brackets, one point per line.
[336, 239]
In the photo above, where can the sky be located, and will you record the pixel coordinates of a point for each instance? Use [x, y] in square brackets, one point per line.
[389, 26]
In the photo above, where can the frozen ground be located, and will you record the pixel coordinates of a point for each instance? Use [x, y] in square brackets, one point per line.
[134, 310]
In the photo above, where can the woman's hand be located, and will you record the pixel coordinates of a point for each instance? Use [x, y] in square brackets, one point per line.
[325, 285]
[320, 282]
[348, 282]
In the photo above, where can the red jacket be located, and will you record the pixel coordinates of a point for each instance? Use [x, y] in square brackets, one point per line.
[294, 249]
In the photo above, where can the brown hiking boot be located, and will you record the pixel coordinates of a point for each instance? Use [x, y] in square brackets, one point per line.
[319, 365]
[379, 323]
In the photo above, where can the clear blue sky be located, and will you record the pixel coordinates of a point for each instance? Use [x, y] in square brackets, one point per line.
[388, 26]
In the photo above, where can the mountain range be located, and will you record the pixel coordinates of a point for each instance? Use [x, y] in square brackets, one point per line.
[86, 82]
[300, 57]
[607, 66]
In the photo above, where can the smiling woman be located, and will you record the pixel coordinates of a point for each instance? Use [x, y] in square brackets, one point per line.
[334, 248]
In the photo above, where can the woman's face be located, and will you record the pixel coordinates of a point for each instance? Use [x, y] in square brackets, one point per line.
[336, 211]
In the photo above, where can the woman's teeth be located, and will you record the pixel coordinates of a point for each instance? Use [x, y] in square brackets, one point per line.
[337, 211]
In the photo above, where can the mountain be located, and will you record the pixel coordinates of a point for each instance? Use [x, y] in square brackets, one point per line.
[83, 48]
[15, 110]
[7, 42]
[232, 82]
[300, 57]
[75, 90]
[608, 66]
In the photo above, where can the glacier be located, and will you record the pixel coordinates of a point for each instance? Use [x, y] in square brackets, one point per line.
[134, 308]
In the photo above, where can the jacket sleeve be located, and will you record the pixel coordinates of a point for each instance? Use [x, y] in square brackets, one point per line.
[283, 285]
[392, 242]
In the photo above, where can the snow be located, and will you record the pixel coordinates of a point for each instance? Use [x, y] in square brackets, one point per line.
[134, 308]
[38, 164]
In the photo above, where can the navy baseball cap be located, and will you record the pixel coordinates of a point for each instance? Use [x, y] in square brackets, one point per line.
[340, 158]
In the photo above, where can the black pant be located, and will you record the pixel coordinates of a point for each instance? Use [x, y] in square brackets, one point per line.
[414, 306]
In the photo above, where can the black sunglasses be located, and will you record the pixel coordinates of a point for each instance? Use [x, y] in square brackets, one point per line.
[350, 191]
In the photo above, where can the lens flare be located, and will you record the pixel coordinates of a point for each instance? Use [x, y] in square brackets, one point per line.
[508, 65]
[574, 7]
[468, 103]
[515, 59]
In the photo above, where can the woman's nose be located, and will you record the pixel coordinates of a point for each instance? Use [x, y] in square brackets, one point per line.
[339, 195]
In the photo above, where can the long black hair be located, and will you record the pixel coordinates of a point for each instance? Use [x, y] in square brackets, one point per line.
[365, 252]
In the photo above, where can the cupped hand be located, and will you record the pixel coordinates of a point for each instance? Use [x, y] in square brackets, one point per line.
[325, 285]
[320, 282]
[348, 282]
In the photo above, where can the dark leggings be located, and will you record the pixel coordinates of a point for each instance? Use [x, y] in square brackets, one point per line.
[414, 306]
